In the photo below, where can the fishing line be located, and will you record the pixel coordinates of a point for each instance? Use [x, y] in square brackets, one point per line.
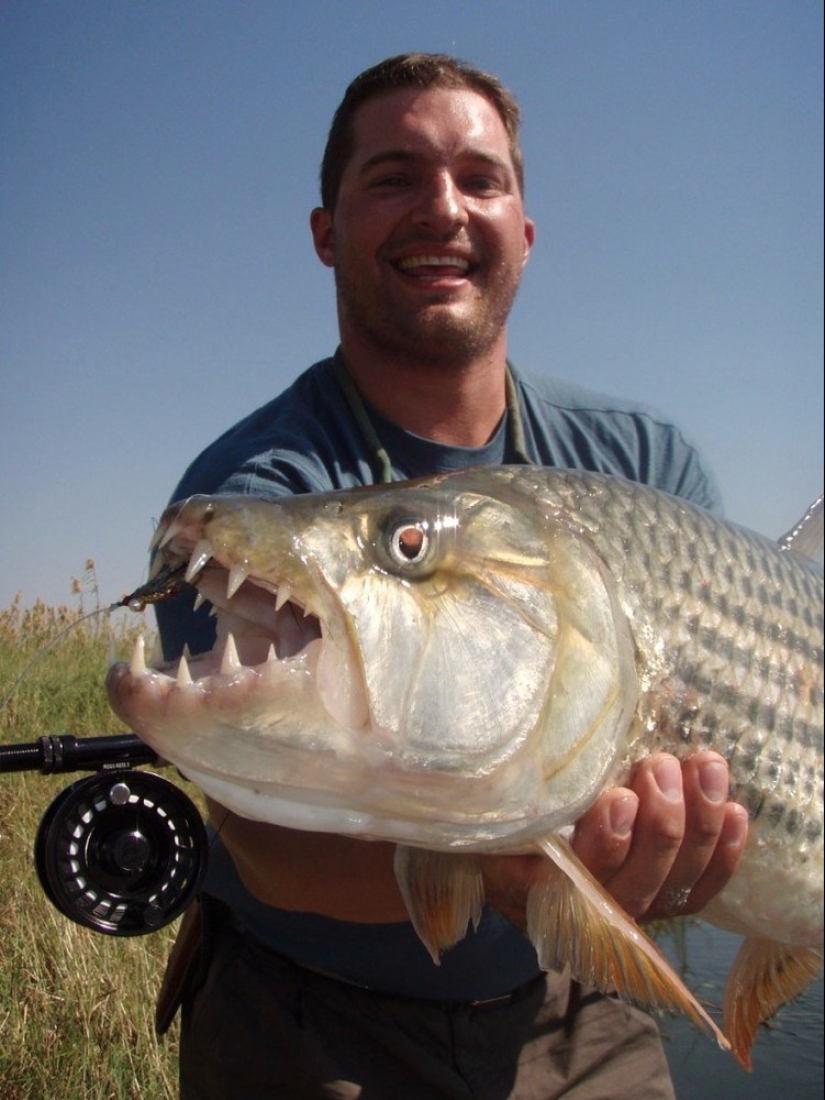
[166, 583]
[53, 641]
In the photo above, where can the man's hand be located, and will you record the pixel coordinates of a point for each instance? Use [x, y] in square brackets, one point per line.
[663, 846]
[669, 842]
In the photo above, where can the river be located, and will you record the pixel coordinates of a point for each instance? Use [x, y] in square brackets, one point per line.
[787, 1055]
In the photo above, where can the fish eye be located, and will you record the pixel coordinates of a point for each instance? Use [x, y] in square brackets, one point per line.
[408, 543]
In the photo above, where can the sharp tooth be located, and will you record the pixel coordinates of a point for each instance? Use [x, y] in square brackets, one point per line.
[184, 677]
[164, 536]
[282, 596]
[230, 663]
[237, 575]
[200, 556]
[213, 612]
[200, 600]
[138, 664]
[271, 656]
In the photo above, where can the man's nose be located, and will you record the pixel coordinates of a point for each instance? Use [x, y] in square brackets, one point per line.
[440, 204]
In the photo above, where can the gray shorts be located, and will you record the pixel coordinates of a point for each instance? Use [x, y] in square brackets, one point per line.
[257, 1027]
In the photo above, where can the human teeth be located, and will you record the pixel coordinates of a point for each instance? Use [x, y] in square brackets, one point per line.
[138, 663]
[282, 596]
[230, 663]
[434, 261]
[200, 556]
[184, 677]
[237, 575]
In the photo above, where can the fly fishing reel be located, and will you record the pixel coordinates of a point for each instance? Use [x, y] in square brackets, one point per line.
[122, 853]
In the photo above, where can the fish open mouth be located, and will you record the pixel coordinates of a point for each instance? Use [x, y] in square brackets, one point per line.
[257, 623]
[269, 642]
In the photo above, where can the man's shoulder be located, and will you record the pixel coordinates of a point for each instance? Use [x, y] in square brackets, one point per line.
[571, 425]
[547, 392]
[292, 427]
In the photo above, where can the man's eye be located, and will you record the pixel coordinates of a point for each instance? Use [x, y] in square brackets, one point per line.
[481, 184]
[392, 181]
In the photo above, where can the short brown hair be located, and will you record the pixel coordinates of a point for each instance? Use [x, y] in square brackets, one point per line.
[412, 70]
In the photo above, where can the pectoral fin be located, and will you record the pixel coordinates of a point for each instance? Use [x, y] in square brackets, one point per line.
[572, 920]
[443, 893]
[765, 975]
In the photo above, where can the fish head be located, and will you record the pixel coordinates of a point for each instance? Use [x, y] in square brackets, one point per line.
[439, 662]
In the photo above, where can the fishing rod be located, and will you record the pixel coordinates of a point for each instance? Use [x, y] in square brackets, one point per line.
[122, 851]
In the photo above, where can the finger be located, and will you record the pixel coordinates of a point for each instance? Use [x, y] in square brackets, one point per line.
[657, 834]
[723, 863]
[603, 835]
[705, 785]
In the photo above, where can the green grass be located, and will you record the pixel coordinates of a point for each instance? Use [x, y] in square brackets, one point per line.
[76, 1007]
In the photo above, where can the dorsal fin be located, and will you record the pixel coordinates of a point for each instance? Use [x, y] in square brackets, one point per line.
[806, 537]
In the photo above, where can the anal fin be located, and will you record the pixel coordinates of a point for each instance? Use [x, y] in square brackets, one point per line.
[443, 892]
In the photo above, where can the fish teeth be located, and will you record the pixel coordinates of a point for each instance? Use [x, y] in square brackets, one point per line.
[200, 556]
[272, 656]
[184, 677]
[138, 663]
[282, 596]
[237, 575]
[230, 662]
[162, 537]
[200, 600]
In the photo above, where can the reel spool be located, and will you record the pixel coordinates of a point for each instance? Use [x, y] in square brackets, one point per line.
[123, 853]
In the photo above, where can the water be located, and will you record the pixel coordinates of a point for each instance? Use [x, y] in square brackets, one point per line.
[787, 1054]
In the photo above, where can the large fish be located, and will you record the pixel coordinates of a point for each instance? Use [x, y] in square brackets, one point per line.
[463, 663]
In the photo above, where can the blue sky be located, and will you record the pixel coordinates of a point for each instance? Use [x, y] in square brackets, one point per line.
[157, 281]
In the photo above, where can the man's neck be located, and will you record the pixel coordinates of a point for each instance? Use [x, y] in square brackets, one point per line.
[457, 404]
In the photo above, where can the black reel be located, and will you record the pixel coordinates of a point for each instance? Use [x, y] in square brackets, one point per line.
[123, 853]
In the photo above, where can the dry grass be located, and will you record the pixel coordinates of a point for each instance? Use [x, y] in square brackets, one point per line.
[76, 1007]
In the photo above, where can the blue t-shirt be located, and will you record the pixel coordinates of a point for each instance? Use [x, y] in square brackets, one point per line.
[307, 440]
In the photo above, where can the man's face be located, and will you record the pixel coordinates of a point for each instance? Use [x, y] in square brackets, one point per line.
[428, 237]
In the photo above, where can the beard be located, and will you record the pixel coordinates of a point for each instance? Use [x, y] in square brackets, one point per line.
[437, 331]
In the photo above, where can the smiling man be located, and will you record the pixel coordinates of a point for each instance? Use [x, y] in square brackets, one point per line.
[310, 980]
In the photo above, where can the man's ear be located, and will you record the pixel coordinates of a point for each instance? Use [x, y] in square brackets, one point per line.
[529, 238]
[323, 235]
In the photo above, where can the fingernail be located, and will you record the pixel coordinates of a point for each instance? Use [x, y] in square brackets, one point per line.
[668, 775]
[623, 816]
[713, 779]
[735, 827]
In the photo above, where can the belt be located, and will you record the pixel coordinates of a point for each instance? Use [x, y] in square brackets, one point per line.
[500, 999]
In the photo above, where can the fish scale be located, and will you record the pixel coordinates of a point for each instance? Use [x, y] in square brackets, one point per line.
[745, 650]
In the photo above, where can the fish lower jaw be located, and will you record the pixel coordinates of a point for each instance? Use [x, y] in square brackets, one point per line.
[246, 693]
